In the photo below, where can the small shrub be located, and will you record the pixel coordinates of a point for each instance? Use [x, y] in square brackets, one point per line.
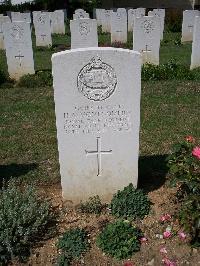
[130, 202]
[170, 70]
[40, 79]
[23, 220]
[3, 77]
[72, 245]
[93, 205]
[119, 239]
[184, 171]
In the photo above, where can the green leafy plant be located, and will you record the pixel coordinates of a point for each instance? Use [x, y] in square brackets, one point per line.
[184, 171]
[93, 205]
[170, 70]
[72, 245]
[40, 79]
[184, 168]
[119, 239]
[24, 218]
[130, 202]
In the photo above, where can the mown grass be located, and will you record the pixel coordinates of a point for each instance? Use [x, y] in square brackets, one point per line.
[169, 111]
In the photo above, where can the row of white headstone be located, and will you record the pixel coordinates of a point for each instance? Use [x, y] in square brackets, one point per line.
[18, 43]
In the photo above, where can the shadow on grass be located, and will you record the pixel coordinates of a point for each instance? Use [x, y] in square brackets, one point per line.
[15, 170]
[152, 172]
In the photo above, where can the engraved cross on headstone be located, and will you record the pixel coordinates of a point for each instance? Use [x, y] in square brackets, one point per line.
[19, 56]
[190, 27]
[98, 152]
[146, 51]
[43, 35]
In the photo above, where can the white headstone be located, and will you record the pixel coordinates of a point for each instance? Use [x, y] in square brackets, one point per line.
[195, 57]
[83, 33]
[17, 16]
[161, 14]
[19, 53]
[3, 19]
[146, 38]
[80, 13]
[98, 16]
[188, 24]
[106, 20]
[58, 22]
[98, 118]
[132, 13]
[42, 27]
[119, 26]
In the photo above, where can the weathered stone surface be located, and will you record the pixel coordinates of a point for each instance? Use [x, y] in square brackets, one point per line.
[3, 19]
[58, 22]
[106, 20]
[98, 117]
[80, 13]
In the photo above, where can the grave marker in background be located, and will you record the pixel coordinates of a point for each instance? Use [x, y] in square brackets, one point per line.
[106, 20]
[19, 53]
[98, 117]
[3, 19]
[188, 24]
[119, 26]
[83, 33]
[195, 57]
[42, 28]
[146, 38]
[80, 13]
[58, 22]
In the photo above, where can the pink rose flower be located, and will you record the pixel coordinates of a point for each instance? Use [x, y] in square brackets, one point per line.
[165, 217]
[163, 250]
[168, 262]
[189, 139]
[143, 240]
[196, 152]
[182, 235]
[128, 263]
[167, 234]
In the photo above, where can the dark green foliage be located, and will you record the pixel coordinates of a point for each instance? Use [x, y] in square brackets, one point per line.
[93, 205]
[184, 170]
[72, 245]
[40, 79]
[130, 202]
[119, 239]
[170, 70]
[24, 218]
[174, 23]
[3, 77]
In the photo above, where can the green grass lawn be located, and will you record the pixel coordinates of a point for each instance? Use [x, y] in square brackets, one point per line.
[169, 111]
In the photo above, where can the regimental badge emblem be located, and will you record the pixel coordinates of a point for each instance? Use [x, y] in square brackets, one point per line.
[148, 26]
[17, 32]
[97, 80]
[41, 19]
[84, 28]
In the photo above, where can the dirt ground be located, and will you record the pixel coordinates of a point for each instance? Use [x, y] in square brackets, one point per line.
[163, 201]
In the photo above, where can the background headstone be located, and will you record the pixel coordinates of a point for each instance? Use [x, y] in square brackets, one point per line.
[80, 13]
[146, 38]
[119, 26]
[195, 57]
[19, 53]
[161, 14]
[106, 20]
[42, 27]
[83, 33]
[188, 24]
[132, 13]
[58, 22]
[3, 19]
[97, 106]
